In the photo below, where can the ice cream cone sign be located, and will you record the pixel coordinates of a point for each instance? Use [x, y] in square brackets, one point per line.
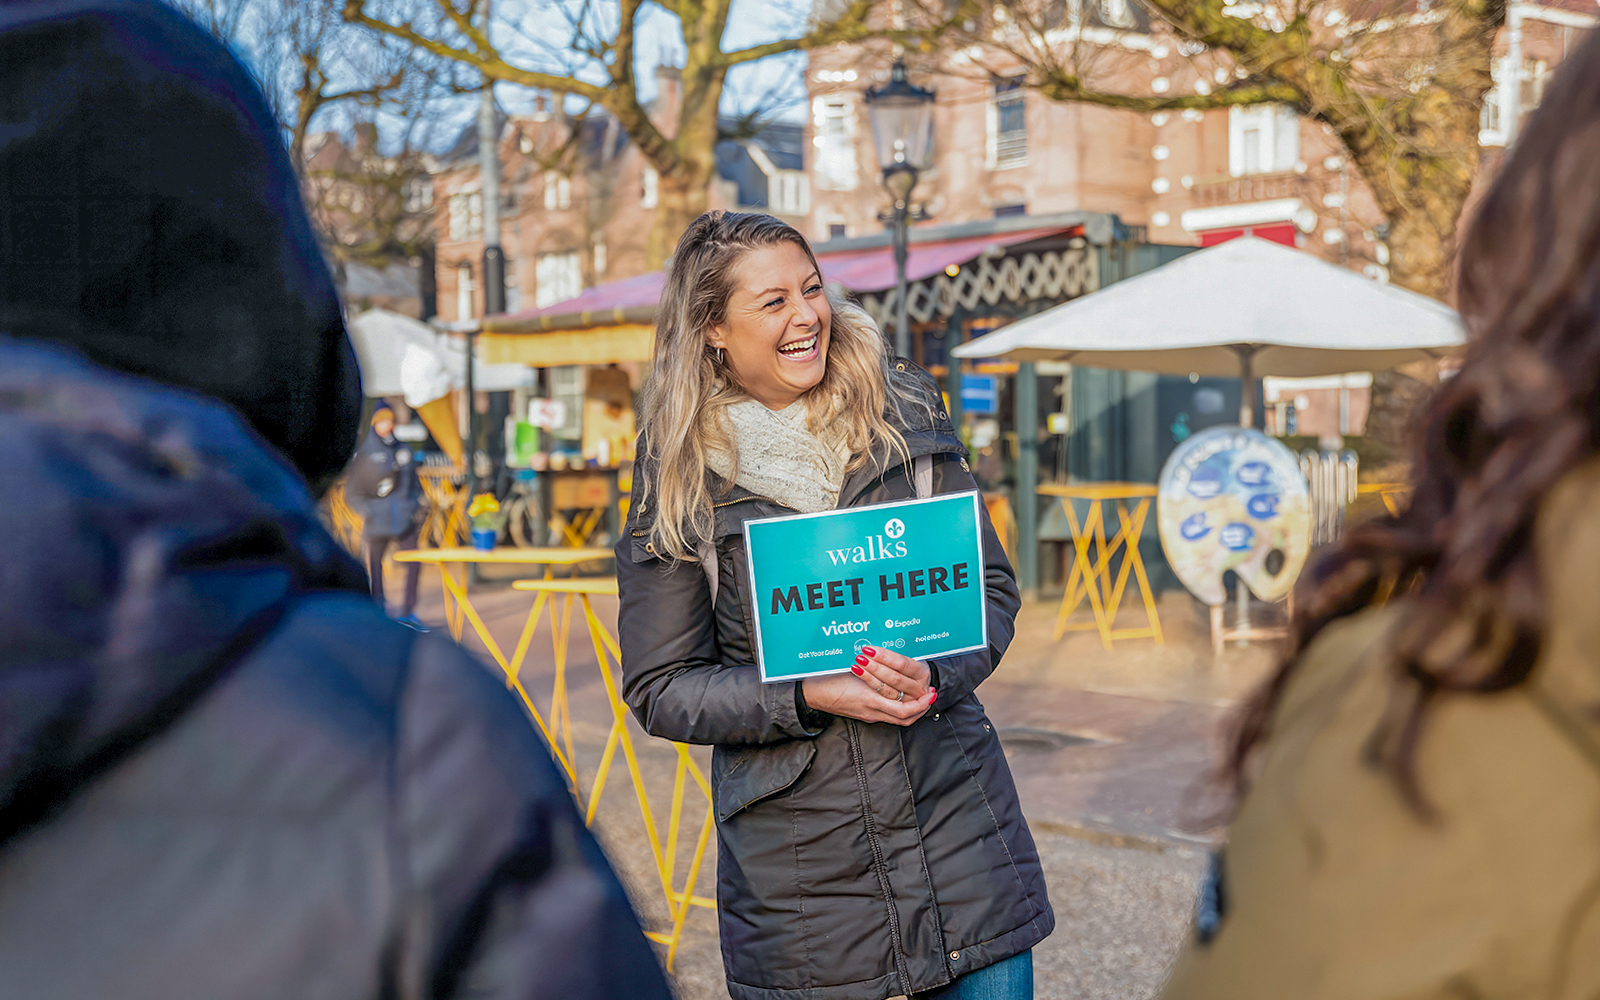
[440, 418]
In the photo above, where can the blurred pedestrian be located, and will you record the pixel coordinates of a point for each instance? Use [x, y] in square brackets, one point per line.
[871, 841]
[383, 480]
[223, 772]
[1424, 772]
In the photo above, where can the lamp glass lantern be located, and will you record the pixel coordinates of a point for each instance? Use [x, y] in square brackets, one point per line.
[902, 128]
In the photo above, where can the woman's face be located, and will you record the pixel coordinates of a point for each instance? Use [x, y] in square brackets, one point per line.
[775, 336]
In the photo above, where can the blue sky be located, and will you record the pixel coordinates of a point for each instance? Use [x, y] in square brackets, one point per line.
[525, 30]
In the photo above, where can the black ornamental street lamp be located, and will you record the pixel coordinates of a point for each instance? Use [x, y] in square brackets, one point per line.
[902, 131]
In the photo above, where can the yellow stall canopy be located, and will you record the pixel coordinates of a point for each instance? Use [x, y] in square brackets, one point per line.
[595, 345]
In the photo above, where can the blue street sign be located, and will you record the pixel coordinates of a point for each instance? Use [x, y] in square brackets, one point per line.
[980, 393]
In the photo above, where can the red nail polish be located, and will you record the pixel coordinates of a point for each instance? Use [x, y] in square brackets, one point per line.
[870, 651]
[857, 671]
[862, 660]
[935, 696]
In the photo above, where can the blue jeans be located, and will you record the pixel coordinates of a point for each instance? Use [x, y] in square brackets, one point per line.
[1009, 979]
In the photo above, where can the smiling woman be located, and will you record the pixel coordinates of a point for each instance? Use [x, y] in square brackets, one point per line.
[776, 338]
[869, 845]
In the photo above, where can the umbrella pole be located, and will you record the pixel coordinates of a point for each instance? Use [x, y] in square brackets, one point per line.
[1247, 399]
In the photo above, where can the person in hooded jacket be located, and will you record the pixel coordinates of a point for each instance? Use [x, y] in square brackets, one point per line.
[383, 480]
[870, 839]
[224, 773]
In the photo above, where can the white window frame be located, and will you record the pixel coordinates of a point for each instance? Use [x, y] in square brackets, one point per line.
[513, 288]
[834, 136]
[557, 192]
[464, 290]
[557, 277]
[789, 193]
[1119, 14]
[465, 211]
[1004, 151]
[649, 188]
[419, 194]
[1270, 131]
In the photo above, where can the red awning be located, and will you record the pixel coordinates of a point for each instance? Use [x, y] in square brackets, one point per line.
[860, 271]
[1277, 232]
[873, 270]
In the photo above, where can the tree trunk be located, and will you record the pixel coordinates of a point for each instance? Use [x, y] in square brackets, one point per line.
[687, 167]
[681, 197]
[1419, 160]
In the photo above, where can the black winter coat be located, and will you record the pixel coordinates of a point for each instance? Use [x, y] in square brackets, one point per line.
[383, 486]
[856, 861]
[224, 774]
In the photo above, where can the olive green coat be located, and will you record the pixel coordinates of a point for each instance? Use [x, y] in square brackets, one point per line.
[1334, 888]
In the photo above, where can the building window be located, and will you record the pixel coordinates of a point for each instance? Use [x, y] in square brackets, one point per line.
[1001, 211]
[788, 193]
[466, 215]
[599, 257]
[419, 194]
[1008, 125]
[1491, 126]
[463, 292]
[838, 230]
[1264, 139]
[566, 387]
[1492, 116]
[834, 119]
[557, 192]
[1122, 15]
[513, 288]
[557, 277]
[648, 194]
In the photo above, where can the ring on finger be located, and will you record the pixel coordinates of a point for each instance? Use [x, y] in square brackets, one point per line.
[880, 687]
[902, 696]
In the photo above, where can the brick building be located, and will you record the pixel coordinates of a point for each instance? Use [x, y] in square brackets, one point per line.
[1190, 177]
[576, 198]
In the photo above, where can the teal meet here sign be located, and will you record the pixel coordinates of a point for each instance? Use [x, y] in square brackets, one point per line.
[905, 576]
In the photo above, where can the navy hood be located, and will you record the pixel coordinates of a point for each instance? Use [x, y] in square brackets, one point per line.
[150, 219]
[151, 541]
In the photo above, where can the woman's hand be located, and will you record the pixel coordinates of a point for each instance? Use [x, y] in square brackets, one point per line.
[884, 687]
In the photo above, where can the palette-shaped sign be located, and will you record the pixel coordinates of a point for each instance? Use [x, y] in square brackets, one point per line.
[1234, 499]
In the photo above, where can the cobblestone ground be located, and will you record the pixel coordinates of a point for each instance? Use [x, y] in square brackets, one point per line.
[1151, 715]
[1121, 915]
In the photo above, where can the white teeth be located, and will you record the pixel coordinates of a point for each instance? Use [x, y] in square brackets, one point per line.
[799, 346]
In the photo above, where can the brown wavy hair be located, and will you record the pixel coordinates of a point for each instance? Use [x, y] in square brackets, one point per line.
[1523, 410]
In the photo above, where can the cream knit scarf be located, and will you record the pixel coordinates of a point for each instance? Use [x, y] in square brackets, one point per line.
[780, 458]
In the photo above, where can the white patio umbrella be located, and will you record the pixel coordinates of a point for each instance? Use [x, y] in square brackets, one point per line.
[1248, 307]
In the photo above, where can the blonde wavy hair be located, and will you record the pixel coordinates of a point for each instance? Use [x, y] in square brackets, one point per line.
[861, 394]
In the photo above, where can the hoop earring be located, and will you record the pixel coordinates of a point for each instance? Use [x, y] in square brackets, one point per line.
[719, 354]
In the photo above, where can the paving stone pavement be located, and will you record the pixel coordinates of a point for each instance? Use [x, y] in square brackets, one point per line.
[1114, 754]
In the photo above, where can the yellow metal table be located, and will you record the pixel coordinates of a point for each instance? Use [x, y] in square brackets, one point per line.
[1090, 577]
[446, 491]
[455, 591]
[557, 727]
[1390, 493]
[605, 645]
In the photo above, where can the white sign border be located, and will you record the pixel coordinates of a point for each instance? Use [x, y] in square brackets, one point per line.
[750, 566]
